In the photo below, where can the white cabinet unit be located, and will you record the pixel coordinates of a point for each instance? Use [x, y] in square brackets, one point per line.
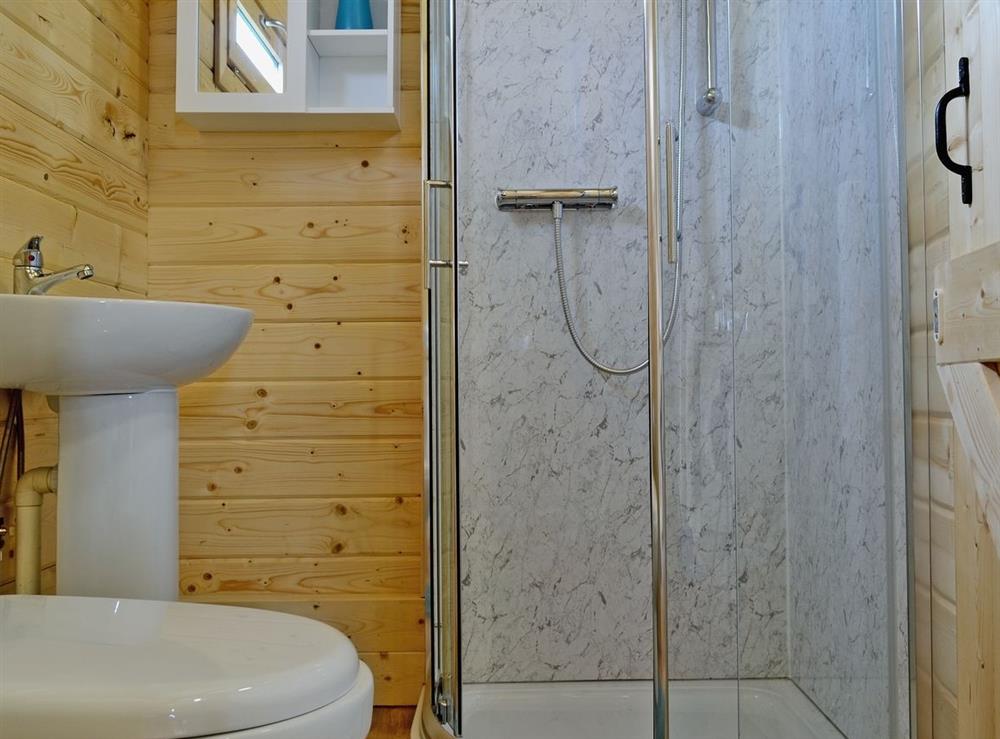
[272, 65]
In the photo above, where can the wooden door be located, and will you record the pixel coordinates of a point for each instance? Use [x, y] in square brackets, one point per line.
[955, 342]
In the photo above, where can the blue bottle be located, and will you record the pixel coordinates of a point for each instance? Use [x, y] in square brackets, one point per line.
[354, 15]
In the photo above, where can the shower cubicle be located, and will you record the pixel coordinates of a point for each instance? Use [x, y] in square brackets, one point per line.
[713, 543]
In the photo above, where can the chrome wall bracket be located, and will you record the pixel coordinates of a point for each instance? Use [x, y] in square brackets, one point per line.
[463, 266]
[710, 99]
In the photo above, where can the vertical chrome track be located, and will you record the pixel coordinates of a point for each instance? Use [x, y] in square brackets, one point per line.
[655, 331]
[441, 701]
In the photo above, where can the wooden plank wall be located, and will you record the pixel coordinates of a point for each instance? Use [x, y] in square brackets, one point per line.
[74, 98]
[957, 606]
[934, 439]
[301, 462]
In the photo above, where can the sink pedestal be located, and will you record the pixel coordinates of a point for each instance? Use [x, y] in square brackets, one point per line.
[117, 499]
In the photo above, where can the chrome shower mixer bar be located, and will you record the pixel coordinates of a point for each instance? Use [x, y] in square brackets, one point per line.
[570, 197]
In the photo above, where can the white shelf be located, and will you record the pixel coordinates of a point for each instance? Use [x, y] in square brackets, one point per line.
[331, 43]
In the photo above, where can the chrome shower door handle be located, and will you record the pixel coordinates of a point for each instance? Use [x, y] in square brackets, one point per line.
[429, 186]
[668, 144]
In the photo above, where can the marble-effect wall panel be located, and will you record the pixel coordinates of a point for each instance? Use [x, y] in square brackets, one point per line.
[758, 317]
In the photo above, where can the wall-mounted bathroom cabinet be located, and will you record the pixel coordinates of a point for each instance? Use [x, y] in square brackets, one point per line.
[280, 65]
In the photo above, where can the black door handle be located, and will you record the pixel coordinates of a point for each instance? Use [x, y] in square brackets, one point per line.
[941, 130]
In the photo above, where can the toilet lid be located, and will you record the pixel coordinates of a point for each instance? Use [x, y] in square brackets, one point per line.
[102, 667]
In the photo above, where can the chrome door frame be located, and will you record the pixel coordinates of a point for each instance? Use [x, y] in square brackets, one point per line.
[654, 324]
[429, 718]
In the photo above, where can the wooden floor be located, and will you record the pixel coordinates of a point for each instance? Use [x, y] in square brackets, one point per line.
[391, 723]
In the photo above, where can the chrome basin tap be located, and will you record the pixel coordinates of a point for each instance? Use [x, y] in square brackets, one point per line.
[31, 279]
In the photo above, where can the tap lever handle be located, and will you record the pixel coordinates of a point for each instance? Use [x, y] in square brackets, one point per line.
[30, 254]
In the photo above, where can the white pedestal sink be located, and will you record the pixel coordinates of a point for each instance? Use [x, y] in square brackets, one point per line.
[115, 366]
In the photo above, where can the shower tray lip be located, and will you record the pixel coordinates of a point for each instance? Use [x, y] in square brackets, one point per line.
[749, 708]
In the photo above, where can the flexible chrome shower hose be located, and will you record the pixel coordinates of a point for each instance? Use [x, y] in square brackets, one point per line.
[567, 312]
[557, 211]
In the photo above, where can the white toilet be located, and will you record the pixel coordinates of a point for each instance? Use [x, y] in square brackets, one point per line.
[106, 668]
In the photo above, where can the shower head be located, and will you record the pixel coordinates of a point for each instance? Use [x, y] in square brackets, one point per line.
[570, 197]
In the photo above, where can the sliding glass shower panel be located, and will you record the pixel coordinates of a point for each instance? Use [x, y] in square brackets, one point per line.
[817, 316]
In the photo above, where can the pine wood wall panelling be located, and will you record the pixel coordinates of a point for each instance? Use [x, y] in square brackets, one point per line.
[246, 410]
[292, 467]
[128, 19]
[978, 598]
[283, 235]
[303, 292]
[301, 527]
[398, 676]
[79, 37]
[964, 125]
[298, 177]
[38, 154]
[37, 77]
[277, 577]
[932, 510]
[301, 460]
[326, 351]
